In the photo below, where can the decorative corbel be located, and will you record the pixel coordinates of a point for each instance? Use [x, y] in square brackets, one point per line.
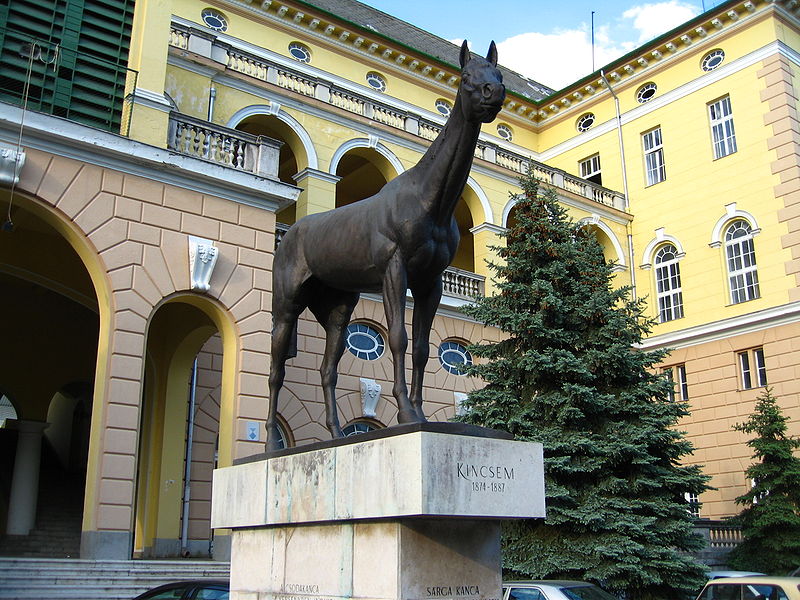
[202, 259]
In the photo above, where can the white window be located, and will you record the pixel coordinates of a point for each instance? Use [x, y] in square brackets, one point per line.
[505, 132]
[668, 284]
[680, 388]
[752, 368]
[300, 52]
[654, 156]
[590, 169]
[693, 500]
[741, 262]
[585, 122]
[722, 132]
[646, 92]
[376, 81]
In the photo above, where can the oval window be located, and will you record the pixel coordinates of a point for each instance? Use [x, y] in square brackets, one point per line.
[443, 107]
[504, 131]
[712, 60]
[376, 81]
[300, 52]
[214, 19]
[364, 341]
[454, 356]
[585, 122]
[646, 92]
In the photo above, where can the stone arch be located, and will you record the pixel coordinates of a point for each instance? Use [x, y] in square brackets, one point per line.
[731, 214]
[478, 202]
[301, 143]
[612, 248]
[390, 167]
[660, 239]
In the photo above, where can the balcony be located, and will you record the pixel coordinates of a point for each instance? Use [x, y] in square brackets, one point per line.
[293, 78]
[456, 283]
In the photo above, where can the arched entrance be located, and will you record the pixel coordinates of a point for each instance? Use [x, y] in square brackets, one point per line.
[179, 431]
[51, 328]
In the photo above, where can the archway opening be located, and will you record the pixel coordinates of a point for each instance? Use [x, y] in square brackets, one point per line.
[179, 433]
[363, 173]
[51, 314]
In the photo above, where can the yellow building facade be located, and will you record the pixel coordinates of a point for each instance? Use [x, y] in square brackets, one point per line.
[139, 258]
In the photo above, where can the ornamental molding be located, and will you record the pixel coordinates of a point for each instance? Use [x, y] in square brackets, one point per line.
[731, 213]
[12, 159]
[659, 239]
[202, 260]
[370, 395]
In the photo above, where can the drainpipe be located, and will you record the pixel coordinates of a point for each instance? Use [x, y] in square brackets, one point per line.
[212, 96]
[626, 205]
[187, 471]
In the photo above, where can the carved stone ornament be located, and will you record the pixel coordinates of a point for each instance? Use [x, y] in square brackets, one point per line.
[11, 162]
[202, 259]
[370, 394]
[458, 399]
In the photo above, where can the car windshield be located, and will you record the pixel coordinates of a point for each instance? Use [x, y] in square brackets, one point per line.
[746, 591]
[586, 592]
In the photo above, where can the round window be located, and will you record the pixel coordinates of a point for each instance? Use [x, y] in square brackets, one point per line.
[504, 131]
[712, 60]
[357, 427]
[376, 81]
[364, 341]
[454, 357]
[646, 92]
[585, 122]
[443, 107]
[214, 19]
[300, 52]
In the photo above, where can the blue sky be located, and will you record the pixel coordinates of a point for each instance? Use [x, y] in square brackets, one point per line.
[549, 42]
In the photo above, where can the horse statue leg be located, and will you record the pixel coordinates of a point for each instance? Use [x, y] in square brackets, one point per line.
[395, 284]
[426, 301]
[333, 309]
[284, 346]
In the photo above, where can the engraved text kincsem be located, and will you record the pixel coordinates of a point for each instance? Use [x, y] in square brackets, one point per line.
[485, 478]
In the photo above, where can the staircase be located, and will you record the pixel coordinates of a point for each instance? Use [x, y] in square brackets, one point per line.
[77, 579]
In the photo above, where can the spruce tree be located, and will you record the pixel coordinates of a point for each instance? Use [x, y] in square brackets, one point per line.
[566, 374]
[770, 520]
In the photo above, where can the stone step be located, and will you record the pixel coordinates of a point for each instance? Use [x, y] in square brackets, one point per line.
[80, 579]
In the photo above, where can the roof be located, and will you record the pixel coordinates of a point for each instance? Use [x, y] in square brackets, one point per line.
[420, 40]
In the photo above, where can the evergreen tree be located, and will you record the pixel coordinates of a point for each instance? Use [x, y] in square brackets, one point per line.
[771, 520]
[566, 375]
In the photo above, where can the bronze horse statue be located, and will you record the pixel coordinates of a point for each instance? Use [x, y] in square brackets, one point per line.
[401, 238]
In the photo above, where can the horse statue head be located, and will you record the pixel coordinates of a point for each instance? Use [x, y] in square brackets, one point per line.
[481, 93]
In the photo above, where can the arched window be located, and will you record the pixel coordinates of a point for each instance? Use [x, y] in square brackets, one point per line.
[741, 261]
[668, 284]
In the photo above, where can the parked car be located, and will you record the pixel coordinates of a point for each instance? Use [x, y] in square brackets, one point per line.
[752, 588]
[724, 574]
[553, 590]
[201, 589]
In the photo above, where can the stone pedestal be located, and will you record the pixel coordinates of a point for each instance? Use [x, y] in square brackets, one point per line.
[406, 513]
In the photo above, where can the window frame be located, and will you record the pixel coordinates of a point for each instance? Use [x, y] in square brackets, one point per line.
[740, 262]
[593, 168]
[654, 164]
[681, 384]
[669, 293]
[723, 131]
[752, 367]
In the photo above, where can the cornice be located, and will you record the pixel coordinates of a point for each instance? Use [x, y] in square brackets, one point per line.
[725, 328]
[72, 140]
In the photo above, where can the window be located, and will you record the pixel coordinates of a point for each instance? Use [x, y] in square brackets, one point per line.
[590, 169]
[505, 132]
[443, 107]
[741, 262]
[712, 60]
[364, 341]
[668, 284]
[677, 376]
[453, 356]
[646, 92]
[214, 19]
[356, 427]
[693, 501]
[300, 52]
[584, 122]
[654, 157]
[752, 368]
[376, 81]
[722, 132]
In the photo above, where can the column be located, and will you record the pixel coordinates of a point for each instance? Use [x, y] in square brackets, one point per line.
[319, 192]
[25, 481]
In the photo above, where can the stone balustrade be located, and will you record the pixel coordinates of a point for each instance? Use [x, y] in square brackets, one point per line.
[351, 101]
[223, 146]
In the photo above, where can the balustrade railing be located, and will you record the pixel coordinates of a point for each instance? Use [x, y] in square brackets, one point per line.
[456, 283]
[223, 146]
[351, 101]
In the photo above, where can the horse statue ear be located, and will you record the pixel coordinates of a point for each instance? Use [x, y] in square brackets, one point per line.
[464, 58]
[491, 56]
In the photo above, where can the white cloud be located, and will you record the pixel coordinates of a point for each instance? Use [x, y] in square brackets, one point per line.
[651, 20]
[563, 56]
[559, 58]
